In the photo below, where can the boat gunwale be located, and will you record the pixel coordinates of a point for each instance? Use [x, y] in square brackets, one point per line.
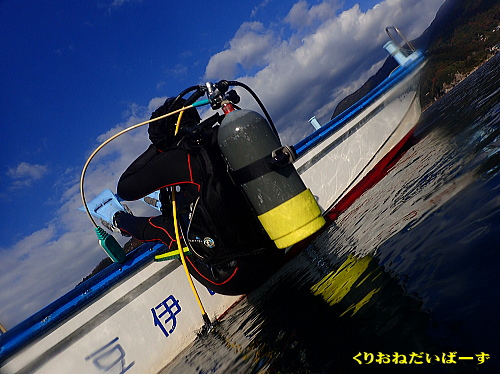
[75, 300]
[347, 116]
[72, 302]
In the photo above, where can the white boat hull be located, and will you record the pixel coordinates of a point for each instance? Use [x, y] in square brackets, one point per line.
[119, 332]
[139, 315]
[335, 165]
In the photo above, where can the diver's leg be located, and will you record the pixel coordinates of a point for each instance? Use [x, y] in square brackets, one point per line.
[147, 229]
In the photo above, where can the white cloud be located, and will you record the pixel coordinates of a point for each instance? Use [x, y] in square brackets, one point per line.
[301, 16]
[25, 173]
[249, 48]
[42, 267]
[308, 74]
[28, 171]
[256, 9]
[119, 3]
[51, 261]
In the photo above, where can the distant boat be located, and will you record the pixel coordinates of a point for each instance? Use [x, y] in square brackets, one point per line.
[137, 316]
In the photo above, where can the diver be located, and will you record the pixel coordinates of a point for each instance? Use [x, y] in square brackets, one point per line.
[230, 251]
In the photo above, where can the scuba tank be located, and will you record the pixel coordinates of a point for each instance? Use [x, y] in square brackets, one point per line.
[263, 168]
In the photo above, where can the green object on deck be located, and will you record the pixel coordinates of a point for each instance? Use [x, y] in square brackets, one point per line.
[112, 248]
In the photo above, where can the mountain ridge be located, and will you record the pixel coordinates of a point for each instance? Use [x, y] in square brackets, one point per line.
[463, 35]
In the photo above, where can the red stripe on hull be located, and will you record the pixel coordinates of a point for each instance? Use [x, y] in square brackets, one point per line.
[374, 176]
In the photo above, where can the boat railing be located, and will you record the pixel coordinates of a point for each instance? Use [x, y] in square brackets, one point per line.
[402, 50]
[402, 38]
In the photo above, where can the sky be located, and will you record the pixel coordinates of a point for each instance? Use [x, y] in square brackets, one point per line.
[74, 73]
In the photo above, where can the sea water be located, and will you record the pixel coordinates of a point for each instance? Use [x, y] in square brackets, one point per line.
[405, 280]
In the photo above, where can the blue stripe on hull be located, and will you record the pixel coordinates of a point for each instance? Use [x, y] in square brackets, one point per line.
[68, 304]
[73, 301]
[346, 116]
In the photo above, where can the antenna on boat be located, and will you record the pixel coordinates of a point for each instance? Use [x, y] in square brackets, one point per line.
[397, 48]
[400, 34]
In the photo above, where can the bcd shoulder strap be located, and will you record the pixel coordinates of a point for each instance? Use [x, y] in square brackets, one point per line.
[222, 212]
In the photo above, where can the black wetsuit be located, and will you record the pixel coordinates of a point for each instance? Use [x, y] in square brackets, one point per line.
[232, 254]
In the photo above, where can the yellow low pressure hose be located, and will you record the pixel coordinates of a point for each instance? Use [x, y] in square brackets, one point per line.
[109, 243]
[206, 319]
[82, 177]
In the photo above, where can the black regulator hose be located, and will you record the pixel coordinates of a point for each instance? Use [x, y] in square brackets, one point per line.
[223, 86]
[261, 105]
[200, 91]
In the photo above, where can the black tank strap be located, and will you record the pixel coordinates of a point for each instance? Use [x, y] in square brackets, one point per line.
[278, 159]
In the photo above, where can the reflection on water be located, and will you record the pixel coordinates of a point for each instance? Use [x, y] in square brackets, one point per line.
[404, 280]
